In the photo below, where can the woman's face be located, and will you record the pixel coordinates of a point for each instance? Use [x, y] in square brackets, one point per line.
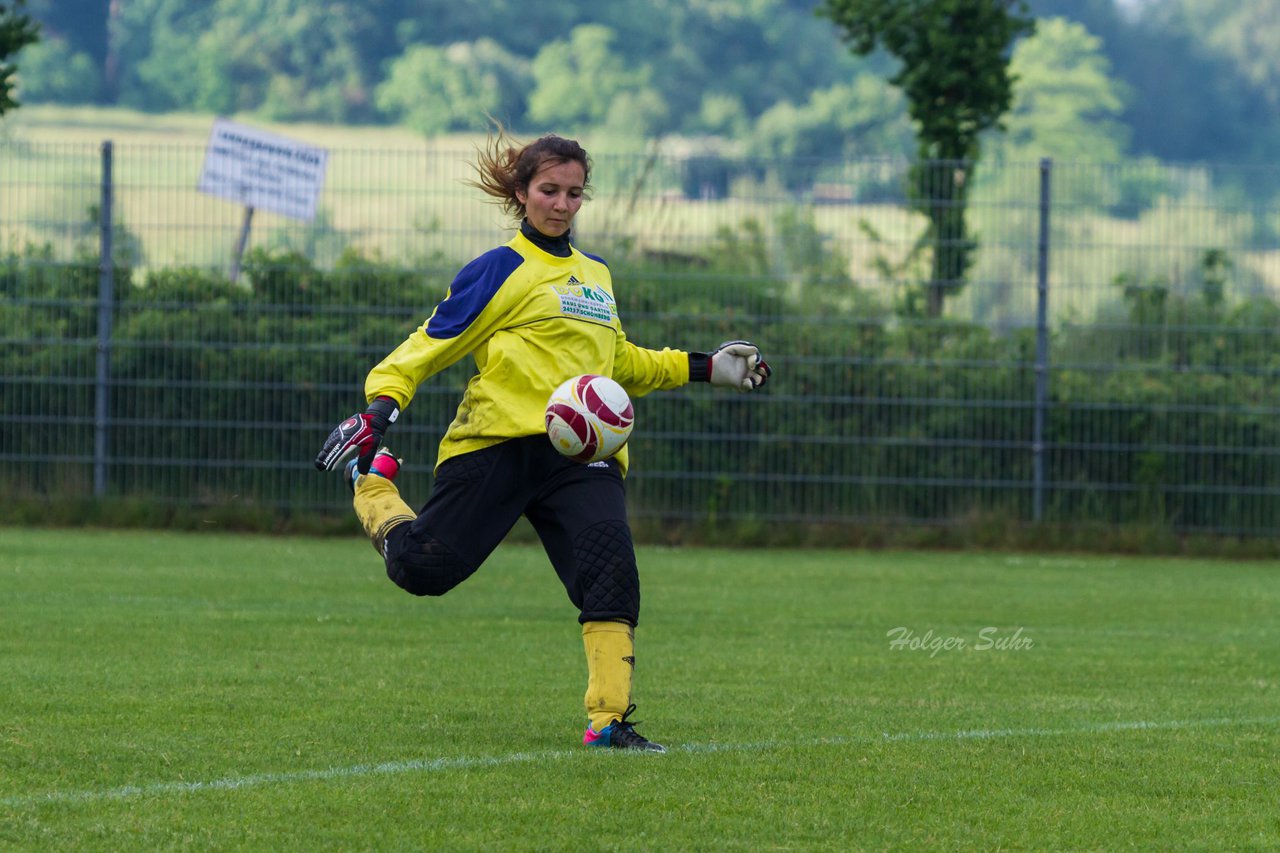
[554, 196]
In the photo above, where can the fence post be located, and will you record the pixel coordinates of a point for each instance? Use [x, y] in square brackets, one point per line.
[106, 305]
[1042, 341]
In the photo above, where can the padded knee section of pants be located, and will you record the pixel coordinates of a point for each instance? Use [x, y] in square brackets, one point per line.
[607, 574]
[425, 567]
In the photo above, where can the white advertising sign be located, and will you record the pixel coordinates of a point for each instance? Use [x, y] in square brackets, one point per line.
[262, 170]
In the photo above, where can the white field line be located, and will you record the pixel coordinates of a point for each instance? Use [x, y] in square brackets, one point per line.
[435, 765]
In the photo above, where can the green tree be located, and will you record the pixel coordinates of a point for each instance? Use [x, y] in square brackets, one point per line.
[292, 59]
[1192, 97]
[17, 30]
[1239, 38]
[154, 43]
[72, 53]
[954, 72]
[585, 81]
[1066, 104]
[434, 90]
[443, 22]
[864, 118]
[762, 52]
[722, 113]
[286, 59]
[82, 24]
[53, 71]
[1244, 33]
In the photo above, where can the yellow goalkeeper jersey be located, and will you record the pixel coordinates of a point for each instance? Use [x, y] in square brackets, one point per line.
[531, 320]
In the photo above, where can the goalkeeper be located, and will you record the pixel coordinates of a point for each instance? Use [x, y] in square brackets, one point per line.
[531, 313]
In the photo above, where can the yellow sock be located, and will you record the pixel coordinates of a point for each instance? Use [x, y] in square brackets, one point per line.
[610, 660]
[379, 507]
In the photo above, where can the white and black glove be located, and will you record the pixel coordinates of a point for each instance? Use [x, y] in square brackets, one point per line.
[358, 434]
[733, 364]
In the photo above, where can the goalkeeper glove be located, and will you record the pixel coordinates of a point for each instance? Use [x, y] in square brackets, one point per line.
[358, 434]
[733, 364]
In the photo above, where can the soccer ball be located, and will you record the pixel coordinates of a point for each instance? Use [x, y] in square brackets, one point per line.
[589, 418]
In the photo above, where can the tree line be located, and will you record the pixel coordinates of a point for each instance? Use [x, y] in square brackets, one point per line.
[1173, 79]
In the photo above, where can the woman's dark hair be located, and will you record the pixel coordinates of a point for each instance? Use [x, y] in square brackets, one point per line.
[504, 166]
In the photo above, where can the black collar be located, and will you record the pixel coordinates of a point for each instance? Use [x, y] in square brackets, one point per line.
[558, 246]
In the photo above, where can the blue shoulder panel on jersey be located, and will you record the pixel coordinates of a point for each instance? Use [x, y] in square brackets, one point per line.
[595, 258]
[472, 288]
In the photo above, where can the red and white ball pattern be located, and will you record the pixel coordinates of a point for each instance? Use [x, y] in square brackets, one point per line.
[589, 418]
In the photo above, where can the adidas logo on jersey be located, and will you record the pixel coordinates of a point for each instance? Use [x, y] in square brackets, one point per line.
[581, 299]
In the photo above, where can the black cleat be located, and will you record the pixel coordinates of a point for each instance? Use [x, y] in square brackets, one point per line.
[621, 734]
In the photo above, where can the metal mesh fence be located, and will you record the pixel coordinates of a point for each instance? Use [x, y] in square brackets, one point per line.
[1096, 344]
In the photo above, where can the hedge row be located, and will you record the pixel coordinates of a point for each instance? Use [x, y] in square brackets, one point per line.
[1164, 414]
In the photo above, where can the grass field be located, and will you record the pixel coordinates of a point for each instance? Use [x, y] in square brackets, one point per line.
[213, 691]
